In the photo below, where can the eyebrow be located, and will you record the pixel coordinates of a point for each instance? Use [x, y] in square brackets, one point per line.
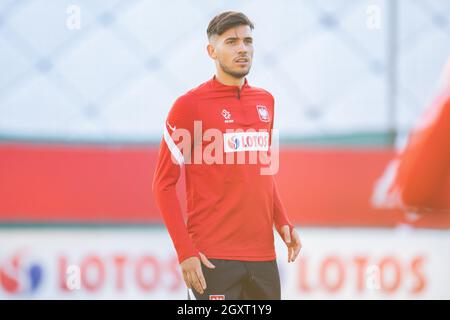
[235, 38]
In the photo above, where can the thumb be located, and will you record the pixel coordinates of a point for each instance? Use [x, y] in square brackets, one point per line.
[205, 261]
[287, 234]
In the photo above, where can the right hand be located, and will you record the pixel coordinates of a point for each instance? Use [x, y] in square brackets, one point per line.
[192, 272]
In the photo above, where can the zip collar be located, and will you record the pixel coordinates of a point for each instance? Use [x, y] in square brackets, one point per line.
[231, 88]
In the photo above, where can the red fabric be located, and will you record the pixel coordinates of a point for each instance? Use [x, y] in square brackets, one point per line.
[231, 208]
[425, 163]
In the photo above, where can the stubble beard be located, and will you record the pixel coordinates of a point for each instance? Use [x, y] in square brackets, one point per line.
[234, 74]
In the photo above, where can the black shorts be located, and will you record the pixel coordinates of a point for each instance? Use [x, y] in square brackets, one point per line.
[237, 280]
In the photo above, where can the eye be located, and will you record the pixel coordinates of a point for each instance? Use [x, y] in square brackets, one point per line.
[249, 41]
[230, 41]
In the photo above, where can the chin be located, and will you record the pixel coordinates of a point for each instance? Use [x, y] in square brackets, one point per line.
[236, 72]
[240, 73]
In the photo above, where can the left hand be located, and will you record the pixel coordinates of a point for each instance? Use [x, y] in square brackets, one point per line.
[293, 243]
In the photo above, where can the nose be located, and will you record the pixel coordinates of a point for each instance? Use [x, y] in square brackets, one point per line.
[242, 47]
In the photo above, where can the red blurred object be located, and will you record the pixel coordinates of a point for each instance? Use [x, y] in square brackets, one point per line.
[423, 176]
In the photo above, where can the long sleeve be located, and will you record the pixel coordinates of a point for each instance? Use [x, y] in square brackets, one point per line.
[279, 211]
[167, 174]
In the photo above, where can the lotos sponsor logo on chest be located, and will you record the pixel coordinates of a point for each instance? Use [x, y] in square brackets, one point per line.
[246, 141]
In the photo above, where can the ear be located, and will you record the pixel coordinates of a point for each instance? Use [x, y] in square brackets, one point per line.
[211, 51]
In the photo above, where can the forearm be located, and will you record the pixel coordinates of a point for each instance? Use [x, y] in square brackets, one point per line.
[170, 209]
[280, 215]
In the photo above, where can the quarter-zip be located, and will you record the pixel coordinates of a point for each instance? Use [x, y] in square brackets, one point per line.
[216, 83]
[246, 121]
[241, 109]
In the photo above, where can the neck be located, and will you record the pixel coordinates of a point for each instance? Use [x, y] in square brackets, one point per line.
[228, 80]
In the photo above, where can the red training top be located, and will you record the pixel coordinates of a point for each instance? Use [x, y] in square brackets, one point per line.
[231, 208]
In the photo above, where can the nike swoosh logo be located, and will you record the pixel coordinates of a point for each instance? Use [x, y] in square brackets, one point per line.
[172, 128]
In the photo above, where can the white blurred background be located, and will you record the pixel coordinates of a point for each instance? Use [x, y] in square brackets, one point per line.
[350, 78]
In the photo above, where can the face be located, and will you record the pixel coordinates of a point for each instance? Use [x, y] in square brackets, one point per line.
[233, 51]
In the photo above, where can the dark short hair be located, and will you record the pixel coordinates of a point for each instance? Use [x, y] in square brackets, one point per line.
[227, 20]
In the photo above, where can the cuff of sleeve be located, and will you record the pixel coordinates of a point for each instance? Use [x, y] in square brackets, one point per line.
[291, 227]
[184, 256]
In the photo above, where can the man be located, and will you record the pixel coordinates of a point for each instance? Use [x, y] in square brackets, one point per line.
[226, 251]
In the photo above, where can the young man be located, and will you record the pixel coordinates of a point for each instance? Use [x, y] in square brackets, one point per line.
[226, 251]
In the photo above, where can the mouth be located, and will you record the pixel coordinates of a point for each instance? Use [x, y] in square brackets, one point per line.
[241, 60]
